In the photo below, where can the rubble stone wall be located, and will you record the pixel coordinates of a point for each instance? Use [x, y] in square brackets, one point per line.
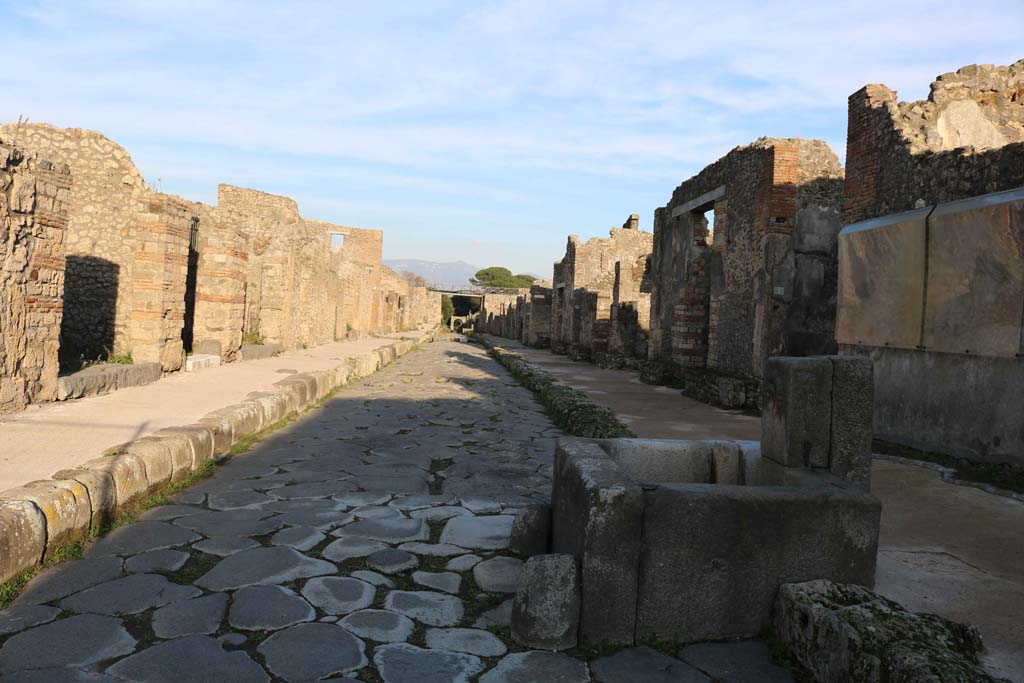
[763, 282]
[965, 139]
[107, 199]
[35, 196]
[359, 273]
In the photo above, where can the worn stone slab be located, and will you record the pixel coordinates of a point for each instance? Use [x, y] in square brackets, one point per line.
[531, 531]
[128, 474]
[373, 578]
[68, 578]
[77, 641]
[463, 563]
[546, 610]
[139, 537]
[359, 498]
[379, 625]
[156, 561]
[853, 410]
[276, 564]
[298, 537]
[440, 513]
[499, 616]
[129, 595]
[237, 500]
[312, 490]
[101, 490]
[419, 502]
[222, 546]
[644, 665]
[498, 574]
[20, 617]
[388, 529]
[432, 549]
[469, 640]
[268, 608]
[192, 658]
[58, 676]
[231, 523]
[392, 561]
[479, 533]
[339, 595]
[736, 662]
[375, 512]
[433, 609]
[349, 547]
[65, 506]
[532, 667]
[449, 582]
[104, 378]
[404, 663]
[310, 652]
[198, 616]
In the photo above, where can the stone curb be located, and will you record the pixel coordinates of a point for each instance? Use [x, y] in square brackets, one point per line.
[571, 409]
[104, 379]
[41, 517]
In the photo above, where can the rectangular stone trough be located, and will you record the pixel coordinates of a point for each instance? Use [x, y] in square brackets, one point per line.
[690, 540]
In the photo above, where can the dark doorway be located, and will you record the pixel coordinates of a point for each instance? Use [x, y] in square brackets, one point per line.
[90, 311]
[190, 284]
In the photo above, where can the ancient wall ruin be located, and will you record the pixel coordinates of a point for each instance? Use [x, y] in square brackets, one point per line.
[149, 276]
[932, 263]
[762, 282]
[965, 139]
[34, 199]
[578, 319]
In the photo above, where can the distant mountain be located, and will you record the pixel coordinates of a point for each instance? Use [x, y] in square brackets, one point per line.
[455, 273]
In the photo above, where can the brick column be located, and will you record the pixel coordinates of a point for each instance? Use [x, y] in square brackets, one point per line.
[862, 151]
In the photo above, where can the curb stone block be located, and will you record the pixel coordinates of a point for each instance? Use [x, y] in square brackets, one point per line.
[853, 412]
[221, 430]
[546, 609]
[101, 490]
[64, 505]
[22, 537]
[129, 476]
[199, 438]
[156, 458]
[797, 414]
[531, 531]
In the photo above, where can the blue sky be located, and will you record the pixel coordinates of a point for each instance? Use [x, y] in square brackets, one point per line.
[481, 131]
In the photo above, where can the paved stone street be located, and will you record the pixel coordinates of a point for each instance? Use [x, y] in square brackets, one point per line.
[368, 539]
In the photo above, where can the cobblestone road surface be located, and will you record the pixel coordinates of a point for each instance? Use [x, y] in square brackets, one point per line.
[366, 541]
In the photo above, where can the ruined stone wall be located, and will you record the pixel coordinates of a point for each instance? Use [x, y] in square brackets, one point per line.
[394, 301]
[763, 282]
[221, 279]
[590, 266]
[424, 307]
[538, 322]
[360, 274]
[965, 139]
[35, 195]
[630, 311]
[503, 313]
[107, 199]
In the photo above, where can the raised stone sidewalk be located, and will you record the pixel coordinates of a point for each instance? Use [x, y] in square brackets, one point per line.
[69, 469]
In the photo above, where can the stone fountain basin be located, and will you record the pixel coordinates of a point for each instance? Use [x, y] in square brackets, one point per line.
[690, 540]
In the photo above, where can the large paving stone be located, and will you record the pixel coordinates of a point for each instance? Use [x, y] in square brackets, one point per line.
[129, 595]
[404, 663]
[736, 662]
[20, 617]
[463, 563]
[380, 625]
[349, 547]
[439, 513]
[433, 609]
[268, 608]
[389, 529]
[479, 533]
[323, 489]
[498, 574]
[339, 595]
[432, 549]
[275, 564]
[373, 578]
[77, 641]
[231, 523]
[237, 500]
[392, 561]
[193, 658]
[469, 640]
[533, 667]
[298, 537]
[69, 578]
[449, 582]
[546, 610]
[58, 676]
[165, 560]
[198, 616]
[498, 616]
[310, 652]
[531, 531]
[644, 665]
[222, 546]
[140, 537]
[359, 498]
[375, 512]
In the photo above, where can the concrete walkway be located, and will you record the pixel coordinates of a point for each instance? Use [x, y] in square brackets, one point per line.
[952, 550]
[47, 438]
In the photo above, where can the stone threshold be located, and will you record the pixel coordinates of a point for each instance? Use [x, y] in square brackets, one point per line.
[39, 518]
[105, 378]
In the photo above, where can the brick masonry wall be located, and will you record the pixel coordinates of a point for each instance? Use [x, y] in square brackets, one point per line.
[35, 195]
[764, 283]
[221, 279]
[106, 199]
[965, 139]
